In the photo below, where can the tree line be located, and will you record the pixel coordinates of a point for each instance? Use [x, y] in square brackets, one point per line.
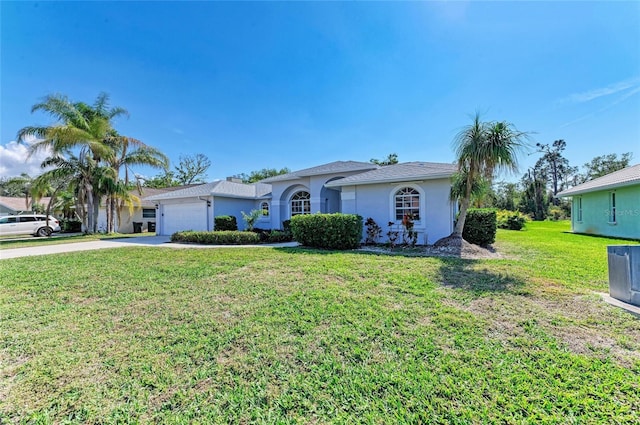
[536, 192]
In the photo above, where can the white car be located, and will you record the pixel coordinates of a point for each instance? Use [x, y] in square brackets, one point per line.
[28, 224]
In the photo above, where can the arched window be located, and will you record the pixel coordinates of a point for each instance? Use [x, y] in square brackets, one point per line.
[264, 206]
[407, 202]
[301, 203]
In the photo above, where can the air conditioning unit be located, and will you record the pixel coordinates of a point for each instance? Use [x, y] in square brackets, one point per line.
[624, 273]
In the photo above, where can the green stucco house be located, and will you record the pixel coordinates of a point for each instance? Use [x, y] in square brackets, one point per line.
[608, 205]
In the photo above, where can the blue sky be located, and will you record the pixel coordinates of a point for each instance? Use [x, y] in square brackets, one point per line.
[255, 85]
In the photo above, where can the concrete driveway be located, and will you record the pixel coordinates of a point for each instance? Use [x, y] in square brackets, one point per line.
[148, 241]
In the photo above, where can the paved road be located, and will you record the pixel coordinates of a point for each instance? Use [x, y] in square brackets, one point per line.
[157, 241]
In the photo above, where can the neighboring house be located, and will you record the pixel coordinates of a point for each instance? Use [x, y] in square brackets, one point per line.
[10, 205]
[608, 205]
[144, 212]
[383, 193]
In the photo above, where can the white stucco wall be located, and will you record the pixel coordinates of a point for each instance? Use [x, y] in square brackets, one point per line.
[126, 220]
[376, 201]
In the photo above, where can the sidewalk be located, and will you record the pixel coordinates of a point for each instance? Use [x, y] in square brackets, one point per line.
[147, 241]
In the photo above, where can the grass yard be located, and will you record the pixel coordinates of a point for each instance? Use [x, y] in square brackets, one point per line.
[26, 241]
[300, 336]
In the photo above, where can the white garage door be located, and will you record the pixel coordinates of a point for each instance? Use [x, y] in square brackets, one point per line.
[185, 216]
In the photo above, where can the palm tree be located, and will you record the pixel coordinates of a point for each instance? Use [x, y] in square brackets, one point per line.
[19, 186]
[128, 152]
[483, 149]
[73, 174]
[79, 126]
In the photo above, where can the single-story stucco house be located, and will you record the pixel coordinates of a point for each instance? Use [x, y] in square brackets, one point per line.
[385, 194]
[608, 205]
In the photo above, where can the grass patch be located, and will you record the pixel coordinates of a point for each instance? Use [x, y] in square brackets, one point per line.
[306, 336]
[11, 242]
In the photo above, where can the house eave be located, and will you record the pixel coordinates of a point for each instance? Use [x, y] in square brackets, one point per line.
[570, 192]
[338, 183]
[248, 198]
[168, 198]
[212, 194]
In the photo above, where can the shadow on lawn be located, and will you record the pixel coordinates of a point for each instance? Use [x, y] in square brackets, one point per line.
[469, 275]
[455, 273]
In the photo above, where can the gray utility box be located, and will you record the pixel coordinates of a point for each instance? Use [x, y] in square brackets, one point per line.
[624, 273]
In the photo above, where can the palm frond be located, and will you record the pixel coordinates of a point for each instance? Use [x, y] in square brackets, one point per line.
[62, 109]
[39, 132]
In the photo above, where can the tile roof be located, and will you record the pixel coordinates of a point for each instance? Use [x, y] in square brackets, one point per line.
[218, 188]
[399, 172]
[625, 177]
[20, 203]
[330, 168]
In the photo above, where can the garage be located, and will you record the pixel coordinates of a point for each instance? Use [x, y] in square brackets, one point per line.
[183, 216]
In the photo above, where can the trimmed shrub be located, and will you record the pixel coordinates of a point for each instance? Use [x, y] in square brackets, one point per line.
[480, 226]
[329, 231]
[216, 238]
[70, 226]
[223, 223]
[277, 236]
[286, 226]
[510, 220]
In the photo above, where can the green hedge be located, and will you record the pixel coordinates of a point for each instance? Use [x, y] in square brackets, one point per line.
[216, 238]
[272, 236]
[330, 231]
[510, 220]
[278, 236]
[480, 226]
[225, 222]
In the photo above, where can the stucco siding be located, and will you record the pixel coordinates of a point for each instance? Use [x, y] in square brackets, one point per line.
[233, 206]
[596, 210]
[322, 199]
[377, 201]
[263, 222]
[126, 220]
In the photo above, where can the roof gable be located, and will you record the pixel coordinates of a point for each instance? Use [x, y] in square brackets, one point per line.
[329, 168]
[406, 171]
[625, 177]
[222, 188]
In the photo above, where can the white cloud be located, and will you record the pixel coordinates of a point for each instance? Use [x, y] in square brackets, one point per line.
[609, 90]
[620, 99]
[14, 159]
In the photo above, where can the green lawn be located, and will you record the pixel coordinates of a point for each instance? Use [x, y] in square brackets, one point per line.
[26, 241]
[300, 336]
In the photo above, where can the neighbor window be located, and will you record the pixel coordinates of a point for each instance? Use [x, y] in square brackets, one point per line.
[579, 209]
[264, 206]
[148, 213]
[301, 203]
[612, 207]
[407, 202]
